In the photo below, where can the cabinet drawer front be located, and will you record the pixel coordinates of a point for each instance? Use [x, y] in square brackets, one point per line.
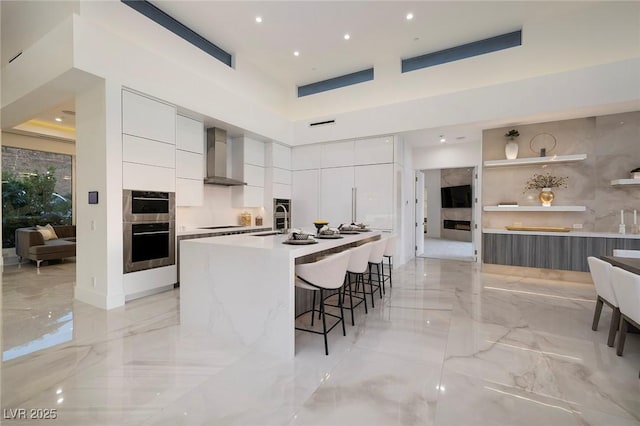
[281, 156]
[189, 135]
[254, 175]
[337, 154]
[305, 157]
[374, 151]
[189, 165]
[146, 151]
[148, 178]
[147, 118]
[282, 176]
[253, 152]
[281, 191]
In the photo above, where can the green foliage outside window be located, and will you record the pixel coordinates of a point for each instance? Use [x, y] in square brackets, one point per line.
[29, 199]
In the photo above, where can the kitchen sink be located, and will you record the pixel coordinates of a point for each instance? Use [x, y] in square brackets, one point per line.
[220, 227]
[267, 234]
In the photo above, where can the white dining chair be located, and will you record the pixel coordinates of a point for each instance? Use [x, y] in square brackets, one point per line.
[626, 253]
[601, 276]
[626, 286]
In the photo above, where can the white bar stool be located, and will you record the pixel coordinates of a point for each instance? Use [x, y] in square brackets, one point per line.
[389, 250]
[325, 274]
[375, 259]
[626, 286]
[358, 263]
[601, 276]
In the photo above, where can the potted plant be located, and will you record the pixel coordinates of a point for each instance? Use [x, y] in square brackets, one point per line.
[511, 148]
[512, 134]
[544, 183]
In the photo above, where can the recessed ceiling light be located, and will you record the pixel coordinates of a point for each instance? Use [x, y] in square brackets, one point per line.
[58, 119]
[442, 139]
[409, 16]
[347, 36]
[296, 53]
[258, 19]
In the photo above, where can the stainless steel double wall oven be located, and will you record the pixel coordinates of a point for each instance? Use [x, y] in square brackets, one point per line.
[149, 229]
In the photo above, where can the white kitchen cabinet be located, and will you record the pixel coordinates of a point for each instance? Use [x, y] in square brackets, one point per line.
[189, 192]
[336, 195]
[189, 135]
[189, 165]
[305, 157]
[281, 190]
[280, 156]
[147, 151]
[253, 152]
[373, 151]
[148, 118]
[281, 176]
[304, 198]
[253, 175]
[143, 177]
[374, 195]
[248, 166]
[337, 154]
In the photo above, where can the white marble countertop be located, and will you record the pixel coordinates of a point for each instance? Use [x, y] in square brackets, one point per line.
[563, 234]
[191, 230]
[275, 242]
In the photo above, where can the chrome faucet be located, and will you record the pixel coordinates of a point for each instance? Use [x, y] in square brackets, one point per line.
[286, 213]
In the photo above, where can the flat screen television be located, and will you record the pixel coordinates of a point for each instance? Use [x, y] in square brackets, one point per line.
[456, 196]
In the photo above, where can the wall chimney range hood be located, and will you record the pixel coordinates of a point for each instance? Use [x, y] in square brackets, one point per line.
[217, 159]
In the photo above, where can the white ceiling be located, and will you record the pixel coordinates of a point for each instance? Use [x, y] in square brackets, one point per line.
[379, 30]
[379, 33]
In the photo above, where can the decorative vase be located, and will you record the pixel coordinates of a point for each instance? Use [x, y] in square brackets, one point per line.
[546, 197]
[511, 150]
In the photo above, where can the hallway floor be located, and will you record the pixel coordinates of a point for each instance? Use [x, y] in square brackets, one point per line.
[437, 248]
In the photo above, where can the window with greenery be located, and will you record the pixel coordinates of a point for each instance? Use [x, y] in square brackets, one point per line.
[36, 190]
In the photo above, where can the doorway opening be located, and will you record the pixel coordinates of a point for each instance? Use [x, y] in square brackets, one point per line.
[448, 212]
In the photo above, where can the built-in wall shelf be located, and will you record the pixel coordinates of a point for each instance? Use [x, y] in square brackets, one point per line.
[625, 182]
[535, 209]
[536, 160]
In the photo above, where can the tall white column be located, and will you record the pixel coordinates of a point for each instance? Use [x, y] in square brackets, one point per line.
[99, 168]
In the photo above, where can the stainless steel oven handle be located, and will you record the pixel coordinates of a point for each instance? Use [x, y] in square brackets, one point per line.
[151, 198]
[150, 233]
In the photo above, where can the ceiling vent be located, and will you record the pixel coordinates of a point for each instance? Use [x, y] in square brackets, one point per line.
[322, 123]
[476, 48]
[336, 82]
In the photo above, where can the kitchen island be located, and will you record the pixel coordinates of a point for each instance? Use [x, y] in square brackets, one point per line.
[240, 288]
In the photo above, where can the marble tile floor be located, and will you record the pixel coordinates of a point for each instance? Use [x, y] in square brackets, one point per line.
[448, 345]
[438, 248]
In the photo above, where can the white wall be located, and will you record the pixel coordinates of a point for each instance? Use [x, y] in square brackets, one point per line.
[433, 199]
[42, 17]
[572, 93]
[603, 33]
[448, 156]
